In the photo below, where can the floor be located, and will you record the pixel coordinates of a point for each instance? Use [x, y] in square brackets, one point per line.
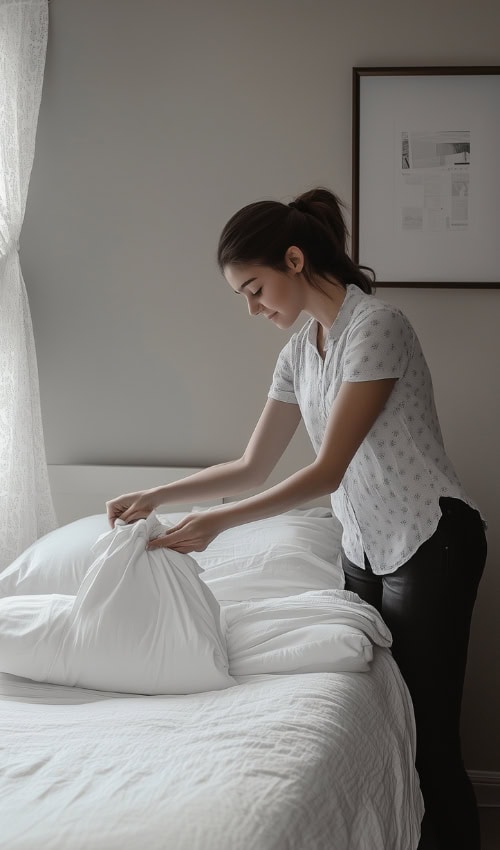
[490, 827]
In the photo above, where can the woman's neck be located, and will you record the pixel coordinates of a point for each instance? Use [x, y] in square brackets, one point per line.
[323, 303]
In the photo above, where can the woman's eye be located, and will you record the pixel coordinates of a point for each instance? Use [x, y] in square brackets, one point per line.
[257, 292]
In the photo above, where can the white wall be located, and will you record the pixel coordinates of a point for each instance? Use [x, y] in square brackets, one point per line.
[158, 121]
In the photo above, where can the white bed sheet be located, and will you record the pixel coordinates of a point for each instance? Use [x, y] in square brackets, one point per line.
[298, 762]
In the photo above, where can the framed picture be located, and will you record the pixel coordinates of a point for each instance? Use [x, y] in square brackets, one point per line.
[426, 175]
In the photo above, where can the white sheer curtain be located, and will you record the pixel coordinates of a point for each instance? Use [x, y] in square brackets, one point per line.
[26, 509]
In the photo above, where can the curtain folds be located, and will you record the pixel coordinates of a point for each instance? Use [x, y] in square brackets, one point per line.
[26, 509]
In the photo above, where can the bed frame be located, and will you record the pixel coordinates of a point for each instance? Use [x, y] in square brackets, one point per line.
[82, 490]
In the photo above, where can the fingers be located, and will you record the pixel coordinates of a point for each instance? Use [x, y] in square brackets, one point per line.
[114, 511]
[130, 507]
[174, 534]
[178, 538]
[159, 543]
[117, 508]
[129, 515]
[166, 541]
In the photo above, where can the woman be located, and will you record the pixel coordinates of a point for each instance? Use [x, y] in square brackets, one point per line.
[413, 542]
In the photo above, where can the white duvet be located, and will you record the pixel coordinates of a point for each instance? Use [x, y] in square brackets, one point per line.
[292, 762]
[322, 631]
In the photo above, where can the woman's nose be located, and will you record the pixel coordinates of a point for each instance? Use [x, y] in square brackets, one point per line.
[253, 307]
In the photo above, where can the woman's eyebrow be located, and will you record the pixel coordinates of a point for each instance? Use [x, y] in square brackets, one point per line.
[242, 287]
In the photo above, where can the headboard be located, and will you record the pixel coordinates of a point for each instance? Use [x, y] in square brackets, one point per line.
[82, 490]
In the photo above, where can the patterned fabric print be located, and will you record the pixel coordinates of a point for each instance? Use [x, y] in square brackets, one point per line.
[388, 502]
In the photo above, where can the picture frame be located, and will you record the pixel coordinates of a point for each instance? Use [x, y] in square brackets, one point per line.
[426, 175]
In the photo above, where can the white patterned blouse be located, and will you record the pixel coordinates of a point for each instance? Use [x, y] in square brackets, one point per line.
[388, 501]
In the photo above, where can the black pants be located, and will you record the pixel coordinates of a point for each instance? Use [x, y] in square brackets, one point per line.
[427, 604]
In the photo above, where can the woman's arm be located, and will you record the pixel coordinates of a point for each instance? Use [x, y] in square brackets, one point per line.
[272, 434]
[353, 414]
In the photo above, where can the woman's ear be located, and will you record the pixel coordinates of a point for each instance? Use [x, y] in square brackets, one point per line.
[294, 259]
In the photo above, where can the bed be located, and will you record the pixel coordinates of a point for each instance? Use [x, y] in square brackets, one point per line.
[303, 761]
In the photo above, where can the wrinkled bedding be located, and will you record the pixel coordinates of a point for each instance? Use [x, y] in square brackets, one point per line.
[148, 623]
[293, 762]
[310, 747]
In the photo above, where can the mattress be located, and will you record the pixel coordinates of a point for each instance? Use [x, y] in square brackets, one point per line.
[309, 761]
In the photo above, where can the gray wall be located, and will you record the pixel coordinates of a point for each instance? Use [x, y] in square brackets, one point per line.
[160, 119]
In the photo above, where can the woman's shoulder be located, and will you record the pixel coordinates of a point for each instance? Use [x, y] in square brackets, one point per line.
[373, 310]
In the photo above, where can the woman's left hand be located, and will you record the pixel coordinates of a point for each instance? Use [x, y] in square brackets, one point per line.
[191, 534]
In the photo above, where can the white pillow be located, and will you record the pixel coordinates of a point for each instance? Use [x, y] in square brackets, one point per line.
[281, 556]
[328, 631]
[141, 622]
[57, 562]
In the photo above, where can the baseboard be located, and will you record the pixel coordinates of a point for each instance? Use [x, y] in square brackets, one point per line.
[486, 786]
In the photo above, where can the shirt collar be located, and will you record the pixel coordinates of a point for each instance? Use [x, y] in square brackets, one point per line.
[351, 300]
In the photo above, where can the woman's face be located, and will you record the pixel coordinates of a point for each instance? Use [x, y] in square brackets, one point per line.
[275, 295]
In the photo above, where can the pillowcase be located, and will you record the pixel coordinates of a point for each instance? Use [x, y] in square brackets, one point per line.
[141, 622]
[57, 562]
[326, 631]
[280, 556]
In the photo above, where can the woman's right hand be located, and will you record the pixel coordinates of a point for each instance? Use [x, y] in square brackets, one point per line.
[131, 506]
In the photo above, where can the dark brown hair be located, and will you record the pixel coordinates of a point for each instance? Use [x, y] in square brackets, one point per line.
[262, 232]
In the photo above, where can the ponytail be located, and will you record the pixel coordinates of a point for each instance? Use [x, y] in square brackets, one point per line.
[262, 232]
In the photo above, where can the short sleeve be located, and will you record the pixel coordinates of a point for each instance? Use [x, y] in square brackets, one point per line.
[282, 386]
[378, 346]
